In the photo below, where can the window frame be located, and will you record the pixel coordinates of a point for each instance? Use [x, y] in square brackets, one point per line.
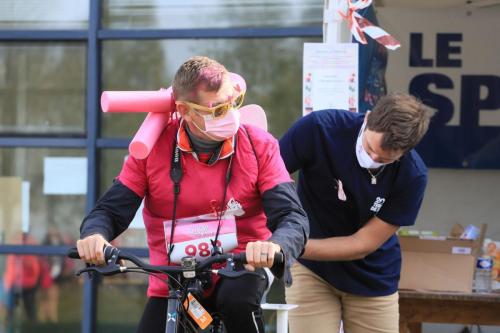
[93, 37]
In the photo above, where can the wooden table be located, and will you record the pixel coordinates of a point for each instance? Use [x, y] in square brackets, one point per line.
[417, 307]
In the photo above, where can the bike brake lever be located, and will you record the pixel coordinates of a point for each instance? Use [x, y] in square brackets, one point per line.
[112, 266]
[103, 270]
[229, 273]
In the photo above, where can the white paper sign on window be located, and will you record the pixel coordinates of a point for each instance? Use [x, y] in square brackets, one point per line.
[330, 77]
[65, 175]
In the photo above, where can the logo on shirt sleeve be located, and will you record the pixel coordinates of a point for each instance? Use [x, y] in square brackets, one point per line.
[379, 202]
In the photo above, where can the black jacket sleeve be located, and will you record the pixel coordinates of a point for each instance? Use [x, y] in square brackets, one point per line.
[112, 213]
[288, 222]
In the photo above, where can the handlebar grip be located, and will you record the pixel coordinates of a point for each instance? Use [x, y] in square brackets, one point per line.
[108, 252]
[279, 257]
[73, 253]
[241, 257]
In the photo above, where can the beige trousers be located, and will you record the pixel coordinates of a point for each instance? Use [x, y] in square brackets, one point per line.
[322, 307]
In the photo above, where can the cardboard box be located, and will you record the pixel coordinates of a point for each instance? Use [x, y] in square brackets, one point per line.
[438, 264]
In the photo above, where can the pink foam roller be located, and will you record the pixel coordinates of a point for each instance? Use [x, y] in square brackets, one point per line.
[160, 104]
[238, 82]
[253, 114]
[138, 101]
[148, 133]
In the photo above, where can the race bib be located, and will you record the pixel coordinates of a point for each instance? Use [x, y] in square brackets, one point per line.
[192, 236]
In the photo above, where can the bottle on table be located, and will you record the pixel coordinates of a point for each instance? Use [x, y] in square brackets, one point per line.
[482, 279]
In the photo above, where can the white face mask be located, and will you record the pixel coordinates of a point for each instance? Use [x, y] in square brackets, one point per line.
[364, 160]
[222, 128]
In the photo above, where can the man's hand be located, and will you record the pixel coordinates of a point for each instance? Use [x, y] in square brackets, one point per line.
[91, 248]
[260, 254]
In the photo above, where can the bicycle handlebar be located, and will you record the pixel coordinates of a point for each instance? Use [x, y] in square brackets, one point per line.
[112, 255]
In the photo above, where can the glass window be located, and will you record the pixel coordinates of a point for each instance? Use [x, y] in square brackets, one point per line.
[39, 294]
[272, 69]
[110, 164]
[111, 161]
[121, 301]
[165, 14]
[49, 14]
[42, 189]
[42, 88]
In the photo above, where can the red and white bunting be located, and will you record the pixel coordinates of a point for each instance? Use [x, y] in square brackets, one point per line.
[360, 26]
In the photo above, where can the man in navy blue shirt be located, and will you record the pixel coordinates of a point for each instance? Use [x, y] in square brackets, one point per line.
[359, 181]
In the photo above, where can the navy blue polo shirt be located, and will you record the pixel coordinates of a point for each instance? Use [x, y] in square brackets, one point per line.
[322, 147]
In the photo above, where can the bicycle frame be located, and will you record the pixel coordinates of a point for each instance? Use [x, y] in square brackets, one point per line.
[176, 314]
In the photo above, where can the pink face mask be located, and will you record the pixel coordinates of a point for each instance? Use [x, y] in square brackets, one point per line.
[222, 128]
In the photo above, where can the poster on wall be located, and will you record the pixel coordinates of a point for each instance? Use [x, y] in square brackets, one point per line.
[449, 59]
[330, 77]
[11, 209]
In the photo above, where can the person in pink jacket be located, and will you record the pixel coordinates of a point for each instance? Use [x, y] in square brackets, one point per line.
[221, 168]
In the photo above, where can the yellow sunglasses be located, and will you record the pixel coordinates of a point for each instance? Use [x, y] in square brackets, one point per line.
[217, 111]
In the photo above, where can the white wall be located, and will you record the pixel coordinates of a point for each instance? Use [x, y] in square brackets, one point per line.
[461, 196]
